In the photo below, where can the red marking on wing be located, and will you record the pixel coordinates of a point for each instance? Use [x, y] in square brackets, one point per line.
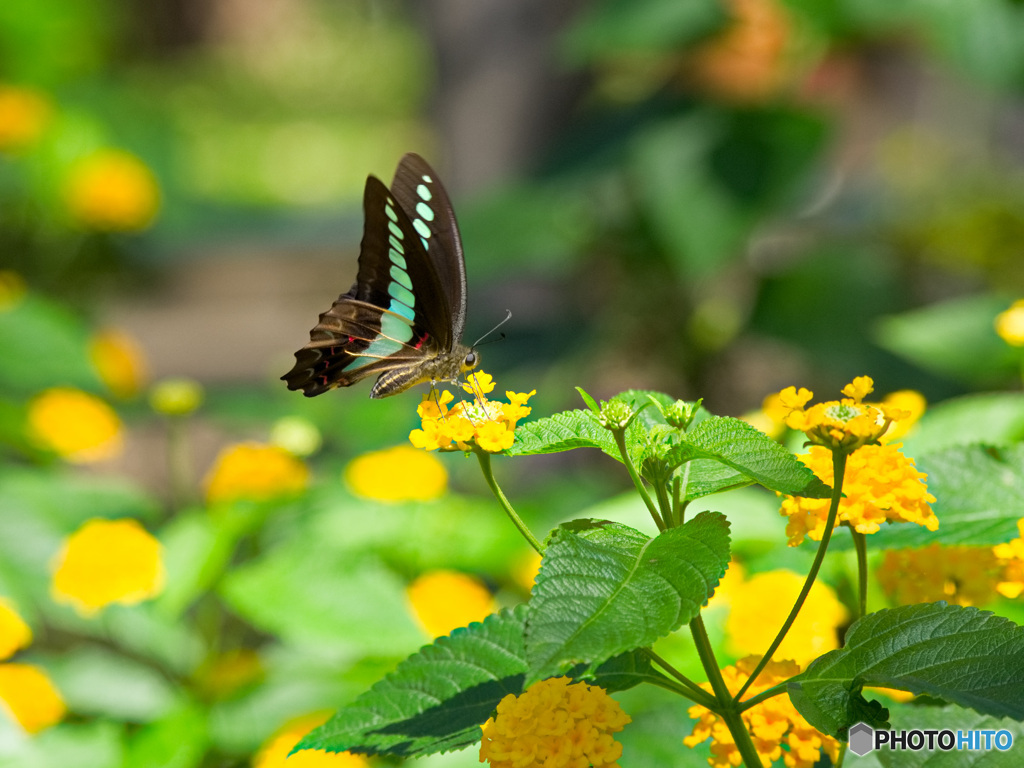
[419, 342]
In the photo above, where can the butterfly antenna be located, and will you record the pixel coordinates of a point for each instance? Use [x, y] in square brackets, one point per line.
[508, 316]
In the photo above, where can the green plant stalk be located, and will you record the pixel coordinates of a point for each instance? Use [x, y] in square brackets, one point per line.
[861, 546]
[725, 705]
[678, 509]
[620, 441]
[685, 687]
[838, 471]
[664, 504]
[485, 465]
[178, 464]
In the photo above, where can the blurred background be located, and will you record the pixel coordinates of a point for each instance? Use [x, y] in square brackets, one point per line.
[715, 199]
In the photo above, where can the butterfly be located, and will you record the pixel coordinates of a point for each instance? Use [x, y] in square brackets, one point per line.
[403, 319]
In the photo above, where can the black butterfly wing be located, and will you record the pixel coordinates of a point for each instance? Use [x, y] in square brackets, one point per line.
[395, 316]
[419, 191]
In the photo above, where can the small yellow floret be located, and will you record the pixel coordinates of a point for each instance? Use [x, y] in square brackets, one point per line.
[29, 697]
[177, 396]
[881, 484]
[445, 600]
[256, 472]
[1011, 561]
[554, 724]
[119, 361]
[108, 561]
[75, 425]
[760, 605]
[14, 632]
[401, 473]
[274, 752]
[112, 190]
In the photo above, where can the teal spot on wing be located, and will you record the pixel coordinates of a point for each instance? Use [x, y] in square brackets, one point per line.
[395, 229]
[394, 332]
[390, 211]
[420, 226]
[406, 301]
[400, 275]
[423, 192]
[396, 243]
[425, 211]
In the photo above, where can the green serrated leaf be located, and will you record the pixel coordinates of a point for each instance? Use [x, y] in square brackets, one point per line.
[575, 429]
[751, 453]
[965, 656]
[995, 418]
[437, 699]
[605, 588]
[979, 492]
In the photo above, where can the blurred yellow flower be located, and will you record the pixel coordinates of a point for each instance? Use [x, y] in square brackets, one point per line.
[24, 115]
[225, 673]
[961, 575]
[112, 190]
[912, 404]
[119, 361]
[108, 561]
[401, 473]
[274, 752]
[14, 632]
[12, 289]
[772, 723]
[176, 396]
[1010, 324]
[747, 62]
[1011, 562]
[297, 435]
[445, 600]
[845, 424]
[29, 697]
[74, 424]
[554, 724]
[759, 606]
[771, 419]
[524, 573]
[881, 484]
[488, 424]
[256, 472]
[728, 586]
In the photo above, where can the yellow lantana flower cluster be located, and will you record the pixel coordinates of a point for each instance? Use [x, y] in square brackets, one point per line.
[256, 472]
[75, 425]
[487, 424]
[24, 115]
[275, 752]
[1011, 562]
[26, 693]
[961, 575]
[401, 473]
[775, 726]
[119, 361]
[554, 724]
[445, 600]
[759, 606]
[845, 424]
[108, 561]
[881, 484]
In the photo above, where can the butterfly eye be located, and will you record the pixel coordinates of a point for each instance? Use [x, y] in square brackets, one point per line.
[469, 361]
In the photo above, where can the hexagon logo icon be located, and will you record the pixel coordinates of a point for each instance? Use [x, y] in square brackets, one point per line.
[862, 739]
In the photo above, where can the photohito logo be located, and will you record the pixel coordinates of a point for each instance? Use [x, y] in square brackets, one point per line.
[865, 739]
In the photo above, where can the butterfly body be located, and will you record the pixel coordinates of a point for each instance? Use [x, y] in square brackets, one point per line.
[403, 318]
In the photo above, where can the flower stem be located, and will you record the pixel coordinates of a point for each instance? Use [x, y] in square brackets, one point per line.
[620, 441]
[485, 465]
[685, 687]
[838, 470]
[725, 706]
[860, 544]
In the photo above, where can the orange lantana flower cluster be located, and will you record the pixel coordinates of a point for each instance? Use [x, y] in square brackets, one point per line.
[775, 726]
[487, 424]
